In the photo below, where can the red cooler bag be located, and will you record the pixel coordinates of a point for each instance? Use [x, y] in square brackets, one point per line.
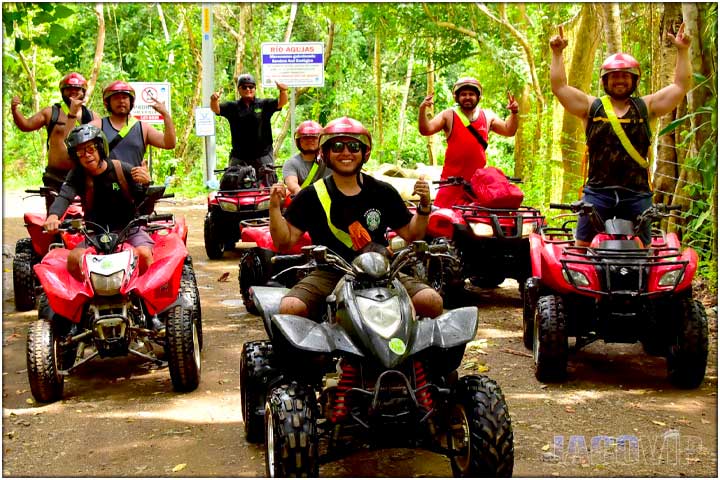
[494, 190]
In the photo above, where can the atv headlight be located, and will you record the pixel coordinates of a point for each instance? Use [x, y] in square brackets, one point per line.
[671, 278]
[397, 243]
[107, 285]
[482, 229]
[578, 278]
[382, 317]
[528, 228]
[264, 205]
[227, 206]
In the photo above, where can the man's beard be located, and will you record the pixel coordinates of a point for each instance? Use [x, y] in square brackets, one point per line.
[622, 96]
[307, 152]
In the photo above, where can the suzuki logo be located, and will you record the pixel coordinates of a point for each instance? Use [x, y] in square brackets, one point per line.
[624, 271]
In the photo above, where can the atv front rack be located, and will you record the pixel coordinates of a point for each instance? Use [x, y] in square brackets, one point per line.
[507, 223]
[622, 272]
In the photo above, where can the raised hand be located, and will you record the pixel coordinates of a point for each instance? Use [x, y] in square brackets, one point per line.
[681, 39]
[512, 105]
[558, 42]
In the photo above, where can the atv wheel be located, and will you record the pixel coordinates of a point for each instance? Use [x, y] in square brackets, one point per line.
[255, 374]
[214, 241]
[23, 276]
[687, 360]
[480, 430]
[43, 353]
[445, 276]
[182, 347]
[251, 272]
[67, 356]
[550, 344]
[529, 296]
[189, 284]
[291, 443]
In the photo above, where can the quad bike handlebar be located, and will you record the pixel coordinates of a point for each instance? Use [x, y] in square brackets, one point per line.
[655, 212]
[463, 182]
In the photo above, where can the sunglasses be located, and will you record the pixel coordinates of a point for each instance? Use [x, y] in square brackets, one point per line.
[339, 147]
[90, 149]
[247, 87]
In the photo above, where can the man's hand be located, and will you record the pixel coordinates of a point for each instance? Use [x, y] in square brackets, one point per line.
[159, 107]
[216, 95]
[277, 195]
[681, 40]
[14, 103]
[52, 223]
[427, 102]
[141, 174]
[422, 189]
[281, 86]
[75, 106]
[512, 105]
[558, 42]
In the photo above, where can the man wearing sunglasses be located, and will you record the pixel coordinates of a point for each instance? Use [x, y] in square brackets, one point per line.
[250, 128]
[360, 209]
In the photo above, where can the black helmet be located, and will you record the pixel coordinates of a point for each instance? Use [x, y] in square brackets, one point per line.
[246, 78]
[83, 134]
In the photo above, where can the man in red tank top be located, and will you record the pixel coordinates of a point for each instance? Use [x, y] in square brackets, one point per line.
[466, 128]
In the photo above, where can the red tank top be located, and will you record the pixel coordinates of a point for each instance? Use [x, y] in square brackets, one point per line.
[464, 153]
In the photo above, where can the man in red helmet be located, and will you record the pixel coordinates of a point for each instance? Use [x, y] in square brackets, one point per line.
[618, 132]
[128, 137]
[305, 167]
[349, 212]
[250, 128]
[466, 127]
[72, 86]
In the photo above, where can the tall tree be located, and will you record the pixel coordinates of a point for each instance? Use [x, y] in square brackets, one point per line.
[612, 26]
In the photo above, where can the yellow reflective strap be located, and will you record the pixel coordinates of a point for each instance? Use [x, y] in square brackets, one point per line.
[325, 201]
[629, 148]
[124, 131]
[311, 175]
[463, 118]
[66, 111]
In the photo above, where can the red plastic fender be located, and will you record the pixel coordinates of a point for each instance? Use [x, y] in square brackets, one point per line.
[441, 222]
[65, 294]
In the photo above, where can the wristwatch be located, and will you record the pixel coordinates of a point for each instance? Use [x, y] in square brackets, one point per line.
[424, 211]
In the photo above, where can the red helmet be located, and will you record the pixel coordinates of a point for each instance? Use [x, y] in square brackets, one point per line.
[118, 86]
[347, 127]
[620, 62]
[467, 82]
[308, 128]
[73, 79]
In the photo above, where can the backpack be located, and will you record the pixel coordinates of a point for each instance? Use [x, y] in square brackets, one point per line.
[86, 117]
[494, 190]
[238, 177]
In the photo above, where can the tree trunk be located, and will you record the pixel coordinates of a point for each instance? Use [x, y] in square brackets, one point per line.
[666, 162]
[377, 67]
[579, 74]
[613, 27]
[166, 34]
[403, 106]
[291, 22]
[184, 137]
[431, 111]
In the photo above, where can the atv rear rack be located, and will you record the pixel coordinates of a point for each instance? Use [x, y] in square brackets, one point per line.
[623, 272]
[507, 223]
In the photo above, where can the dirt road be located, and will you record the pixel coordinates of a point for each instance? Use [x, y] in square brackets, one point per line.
[121, 417]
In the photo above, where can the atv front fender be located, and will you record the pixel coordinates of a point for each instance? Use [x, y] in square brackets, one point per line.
[307, 335]
[452, 328]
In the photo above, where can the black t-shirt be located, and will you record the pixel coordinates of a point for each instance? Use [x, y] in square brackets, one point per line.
[377, 207]
[250, 128]
[110, 208]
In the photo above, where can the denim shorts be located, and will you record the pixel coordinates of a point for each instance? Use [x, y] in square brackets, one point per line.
[614, 203]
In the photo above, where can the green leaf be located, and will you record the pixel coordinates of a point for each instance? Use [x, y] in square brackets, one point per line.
[43, 17]
[62, 11]
[56, 33]
[21, 44]
[673, 125]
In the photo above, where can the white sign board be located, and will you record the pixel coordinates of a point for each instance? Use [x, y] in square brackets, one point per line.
[296, 64]
[145, 92]
[204, 122]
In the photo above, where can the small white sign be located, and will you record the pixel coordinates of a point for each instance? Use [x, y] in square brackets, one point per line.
[204, 122]
[145, 93]
[296, 64]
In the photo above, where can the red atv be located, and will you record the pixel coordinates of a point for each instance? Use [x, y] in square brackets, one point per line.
[487, 245]
[241, 197]
[115, 311]
[258, 264]
[29, 250]
[617, 291]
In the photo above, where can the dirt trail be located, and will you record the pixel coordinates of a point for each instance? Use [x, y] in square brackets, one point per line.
[121, 417]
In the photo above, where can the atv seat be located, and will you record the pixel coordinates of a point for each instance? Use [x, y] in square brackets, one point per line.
[267, 300]
[620, 245]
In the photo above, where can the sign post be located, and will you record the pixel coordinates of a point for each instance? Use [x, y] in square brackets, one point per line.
[208, 63]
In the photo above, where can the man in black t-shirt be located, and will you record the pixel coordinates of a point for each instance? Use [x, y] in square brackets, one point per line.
[360, 209]
[108, 192]
[250, 128]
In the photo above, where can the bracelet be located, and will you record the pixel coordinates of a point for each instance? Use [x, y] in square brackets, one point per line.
[424, 211]
[70, 115]
[514, 112]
